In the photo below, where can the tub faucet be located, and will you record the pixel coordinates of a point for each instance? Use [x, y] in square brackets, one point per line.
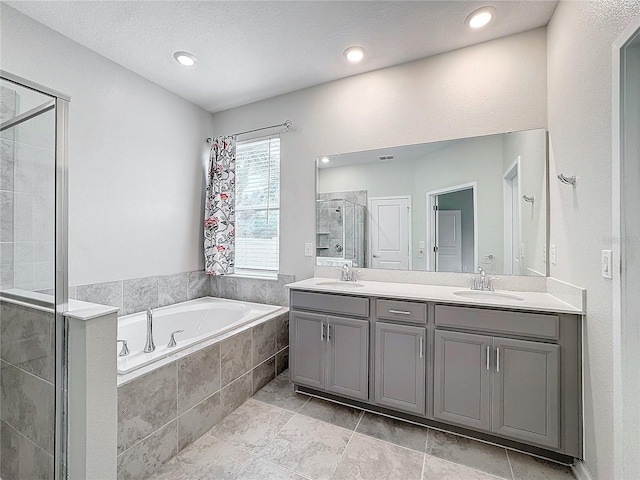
[150, 346]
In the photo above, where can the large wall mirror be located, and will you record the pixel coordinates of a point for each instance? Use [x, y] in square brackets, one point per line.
[450, 206]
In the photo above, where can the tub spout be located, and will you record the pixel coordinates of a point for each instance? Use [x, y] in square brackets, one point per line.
[150, 346]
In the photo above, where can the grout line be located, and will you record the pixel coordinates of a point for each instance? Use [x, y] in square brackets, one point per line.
[491, 475]
[150, 435]
[510, 466]
[177, 407]
[347, 445]
[258, 457]
[426, 444]
[18, 432]
[26, 372]
[424, 461]
[390, 443]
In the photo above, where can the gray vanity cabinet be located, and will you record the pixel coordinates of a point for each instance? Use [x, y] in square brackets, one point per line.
[400, 379]
[462, 379]
[526, 391]
[513, 376]
[348, 357]
[330, 353]
[308, 349]
[504, 386]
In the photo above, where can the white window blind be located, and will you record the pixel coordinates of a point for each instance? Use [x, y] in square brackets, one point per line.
[258, 205]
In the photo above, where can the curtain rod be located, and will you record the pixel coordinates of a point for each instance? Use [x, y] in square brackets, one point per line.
[287, 125]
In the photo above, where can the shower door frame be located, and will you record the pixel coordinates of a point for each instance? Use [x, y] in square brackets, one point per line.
[61, 290]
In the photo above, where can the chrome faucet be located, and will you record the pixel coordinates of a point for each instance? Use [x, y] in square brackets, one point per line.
[348, 275]
[150, 346]
[482, 282]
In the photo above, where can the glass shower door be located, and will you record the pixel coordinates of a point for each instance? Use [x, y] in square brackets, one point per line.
[31, 300]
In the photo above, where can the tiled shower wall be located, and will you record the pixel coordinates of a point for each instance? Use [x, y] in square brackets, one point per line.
[163, 411]
[26, 392]
[337, 218]
[138, 294]
[27, 196]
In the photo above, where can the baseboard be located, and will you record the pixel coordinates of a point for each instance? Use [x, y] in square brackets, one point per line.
[581, 471]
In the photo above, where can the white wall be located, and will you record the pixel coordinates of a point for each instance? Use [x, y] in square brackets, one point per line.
[137, 157]
[580, 37]
[530, 146]
[489, 88]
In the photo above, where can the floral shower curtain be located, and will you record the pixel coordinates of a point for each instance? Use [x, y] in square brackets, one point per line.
[220, 213]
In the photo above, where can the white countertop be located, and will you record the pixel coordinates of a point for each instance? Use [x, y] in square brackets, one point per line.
[531, 301]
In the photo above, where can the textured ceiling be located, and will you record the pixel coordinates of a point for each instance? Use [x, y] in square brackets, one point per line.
[248, 51]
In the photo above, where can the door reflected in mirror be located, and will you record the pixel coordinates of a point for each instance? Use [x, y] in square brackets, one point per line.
[451, 206]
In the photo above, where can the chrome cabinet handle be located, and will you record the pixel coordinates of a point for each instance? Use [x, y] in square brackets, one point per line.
[328, 332]
[375, 256]
[488, 367]
[498, 359]
[400, 312]
[322, 331]
[421, 347]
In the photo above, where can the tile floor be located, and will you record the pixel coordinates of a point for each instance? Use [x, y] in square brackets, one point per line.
[278, 434]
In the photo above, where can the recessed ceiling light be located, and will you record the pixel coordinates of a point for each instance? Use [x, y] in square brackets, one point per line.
[354, 54]
[479, 18]
[185, 59]
[324, 159]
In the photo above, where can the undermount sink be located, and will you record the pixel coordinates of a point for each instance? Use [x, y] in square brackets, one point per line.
[337, 283]
[487, 295]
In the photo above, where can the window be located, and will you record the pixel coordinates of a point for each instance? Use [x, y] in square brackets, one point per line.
[258, 206]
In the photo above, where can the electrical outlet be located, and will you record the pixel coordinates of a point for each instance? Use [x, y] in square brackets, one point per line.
[606, 264]
[308, 249]
[421, 244]
[522, 250]
[553, 254]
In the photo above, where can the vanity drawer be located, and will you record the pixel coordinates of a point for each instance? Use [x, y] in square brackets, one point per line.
[326, 302]
[536, 325]
[410, 312]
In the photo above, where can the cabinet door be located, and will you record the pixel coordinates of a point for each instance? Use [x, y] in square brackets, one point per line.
[526, 391]
[462, 379]
[307, 346]
[400, 367]
[348, 357]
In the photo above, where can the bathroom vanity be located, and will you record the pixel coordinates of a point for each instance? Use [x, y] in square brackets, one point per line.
[500, 367]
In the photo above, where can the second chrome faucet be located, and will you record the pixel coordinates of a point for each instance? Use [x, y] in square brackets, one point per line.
[482, 282]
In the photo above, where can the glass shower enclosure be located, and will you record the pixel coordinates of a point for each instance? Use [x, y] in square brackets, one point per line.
[340, 232]
[33, 279]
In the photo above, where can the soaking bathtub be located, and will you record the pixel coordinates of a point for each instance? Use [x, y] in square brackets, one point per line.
[202, 319]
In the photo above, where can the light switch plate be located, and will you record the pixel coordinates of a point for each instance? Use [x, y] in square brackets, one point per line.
[553, 255]
[308, 249]
[606, 264]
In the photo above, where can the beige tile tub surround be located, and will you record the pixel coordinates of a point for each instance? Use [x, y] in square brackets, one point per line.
[137, 294]
[162, 412]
